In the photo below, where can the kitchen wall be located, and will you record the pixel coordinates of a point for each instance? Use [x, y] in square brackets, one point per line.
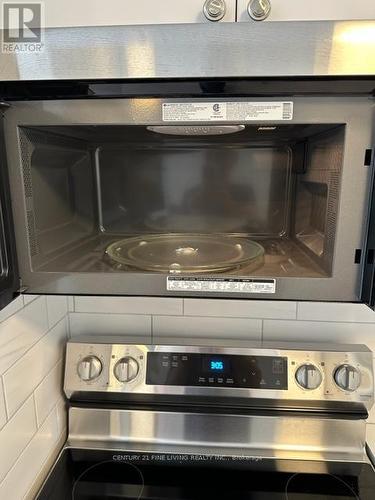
[33, 333]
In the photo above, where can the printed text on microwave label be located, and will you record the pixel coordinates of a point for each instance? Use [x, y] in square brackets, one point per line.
[223, 285]
[226, 111]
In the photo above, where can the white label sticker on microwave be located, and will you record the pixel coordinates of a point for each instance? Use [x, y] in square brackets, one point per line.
[223, 285]
[226, 111]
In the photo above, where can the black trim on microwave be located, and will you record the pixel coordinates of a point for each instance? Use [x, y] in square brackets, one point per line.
[368, 281]
[9, 281]
[213, 87]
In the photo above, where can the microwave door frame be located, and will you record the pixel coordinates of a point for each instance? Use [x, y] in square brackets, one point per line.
[368, 256]
[9, 280]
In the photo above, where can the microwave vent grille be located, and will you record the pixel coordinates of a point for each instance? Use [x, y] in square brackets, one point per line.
[33, 244]
[332, 212]
[26, 154]
[26, 158]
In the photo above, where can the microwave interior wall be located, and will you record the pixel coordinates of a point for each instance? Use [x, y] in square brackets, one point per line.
[87, 187]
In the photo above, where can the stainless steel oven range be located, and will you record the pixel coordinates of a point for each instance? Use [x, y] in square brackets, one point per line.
[209, 421]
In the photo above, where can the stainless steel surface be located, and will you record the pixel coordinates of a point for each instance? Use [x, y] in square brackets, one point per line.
[198, 50]
[126, 369]
[296, 396]
[348, 377]
[309, 376]
[214, 10]
[89, 368]
[214, 434]
[259, 9]
[74, 269]
[196, 129]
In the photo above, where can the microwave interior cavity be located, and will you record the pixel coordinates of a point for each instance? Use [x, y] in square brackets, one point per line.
[261, 201]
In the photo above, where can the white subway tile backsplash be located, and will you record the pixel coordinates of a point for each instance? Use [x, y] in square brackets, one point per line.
[318, 331]
[27, 298]
[71, 305]
[15, 436]
[3, 413]
[19, 332]
[22, 378]
[48, 392]
[190, 326]
[128, 305]
[11, 308]
[240, 308]
[335, 311]
[85, 324]
[21, 477]
[57, 308]
[29, 355]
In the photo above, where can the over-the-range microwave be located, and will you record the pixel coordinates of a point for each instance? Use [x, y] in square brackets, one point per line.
[201, 187]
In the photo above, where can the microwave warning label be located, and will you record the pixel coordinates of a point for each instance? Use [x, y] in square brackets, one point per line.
[227, 111]
[220, 285]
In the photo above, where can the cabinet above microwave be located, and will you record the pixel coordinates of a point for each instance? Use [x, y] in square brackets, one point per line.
[145, 12]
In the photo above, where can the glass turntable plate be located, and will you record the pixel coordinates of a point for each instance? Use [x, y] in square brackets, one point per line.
[186, 253]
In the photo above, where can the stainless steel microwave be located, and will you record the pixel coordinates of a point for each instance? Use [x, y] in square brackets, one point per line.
[197, 187]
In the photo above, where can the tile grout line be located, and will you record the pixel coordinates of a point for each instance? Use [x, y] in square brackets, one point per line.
[68, 325]
[35, 410]
[152, 329]
[297, 310]
[45, 300]
[166, 315]
[5, 400]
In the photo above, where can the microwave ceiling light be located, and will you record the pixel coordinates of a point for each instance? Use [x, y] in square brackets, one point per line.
[261, 129]
[196, 130]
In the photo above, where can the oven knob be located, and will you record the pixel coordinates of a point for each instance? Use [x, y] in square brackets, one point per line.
[126, 369]
[89, 368]
[259, 9]
[347, 377]
[308, 376]
[214, 10]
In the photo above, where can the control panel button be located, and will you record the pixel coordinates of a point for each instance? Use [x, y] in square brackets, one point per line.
[89, 368]
[309, 376]
[347, 377]
[126, 369]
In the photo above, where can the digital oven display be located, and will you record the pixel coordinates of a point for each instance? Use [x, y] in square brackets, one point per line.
[216, 365]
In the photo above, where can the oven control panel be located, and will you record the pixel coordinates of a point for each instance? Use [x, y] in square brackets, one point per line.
[217, 370]
[343, 374]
